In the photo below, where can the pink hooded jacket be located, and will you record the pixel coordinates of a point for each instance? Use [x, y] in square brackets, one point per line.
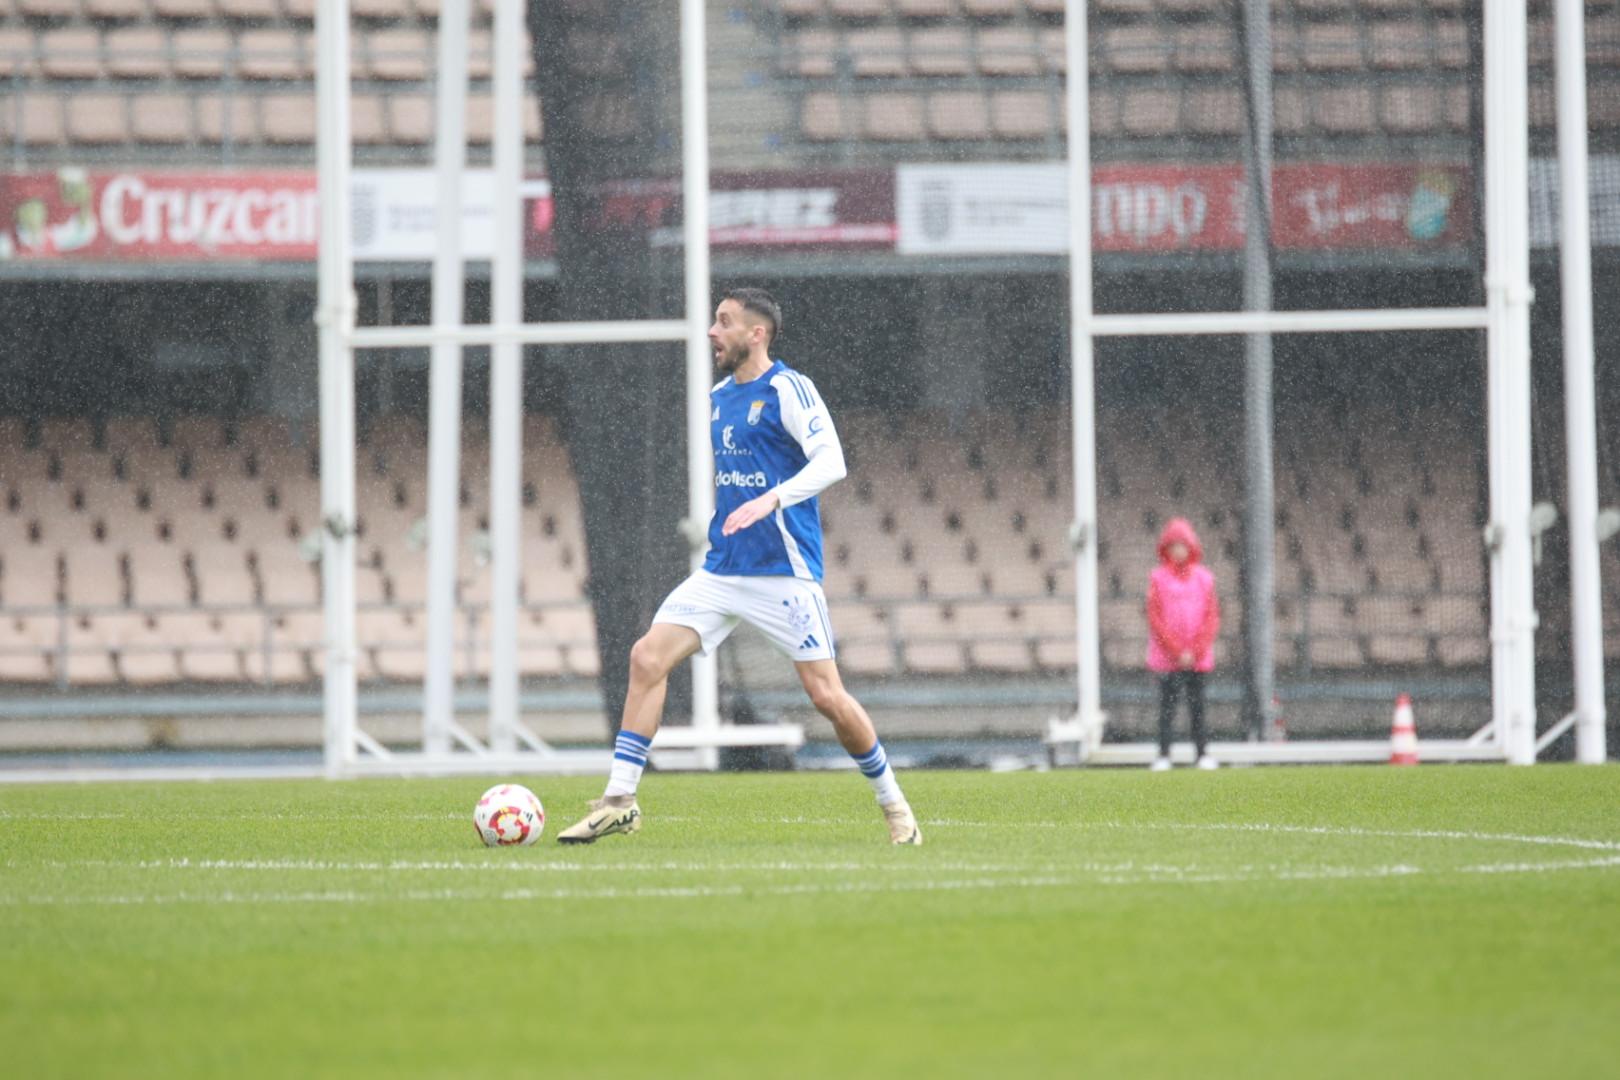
[1182, 611]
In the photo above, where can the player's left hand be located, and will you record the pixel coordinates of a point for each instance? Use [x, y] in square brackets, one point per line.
[749, 512]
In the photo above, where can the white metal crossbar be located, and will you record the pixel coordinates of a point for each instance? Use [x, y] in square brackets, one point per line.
[1289, 322]
[562, 333]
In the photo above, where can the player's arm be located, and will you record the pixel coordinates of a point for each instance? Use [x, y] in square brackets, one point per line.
[806, 419]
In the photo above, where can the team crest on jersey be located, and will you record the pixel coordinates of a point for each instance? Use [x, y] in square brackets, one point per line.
[799, 615]
[754, 409]
[714, 415]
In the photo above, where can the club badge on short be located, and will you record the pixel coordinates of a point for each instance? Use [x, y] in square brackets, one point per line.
[754, 409]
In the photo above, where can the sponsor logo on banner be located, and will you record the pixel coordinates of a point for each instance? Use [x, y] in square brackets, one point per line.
[1023, 208]
[816, 208]
[259, 216]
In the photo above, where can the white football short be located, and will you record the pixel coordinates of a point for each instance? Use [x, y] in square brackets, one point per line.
[790, 611]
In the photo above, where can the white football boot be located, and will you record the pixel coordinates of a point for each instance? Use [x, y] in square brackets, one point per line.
[1160, 764]
[604, 819]
[902, 824]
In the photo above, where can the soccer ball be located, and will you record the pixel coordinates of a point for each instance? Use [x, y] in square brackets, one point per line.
[509, 814]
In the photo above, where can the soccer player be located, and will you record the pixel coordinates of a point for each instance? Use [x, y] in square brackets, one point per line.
[775, 450]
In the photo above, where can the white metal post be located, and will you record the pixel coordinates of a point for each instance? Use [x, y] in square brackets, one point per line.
[1580, 410]
[335, 315]
[444, 400]
[699, 365]
[506, 379]
[1508, 296]
[1088, 649]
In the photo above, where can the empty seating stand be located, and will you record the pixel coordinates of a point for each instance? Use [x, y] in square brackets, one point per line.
[1161, 69]
[198, 75]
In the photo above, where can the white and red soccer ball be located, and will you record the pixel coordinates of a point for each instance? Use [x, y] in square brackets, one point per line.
[509, 814]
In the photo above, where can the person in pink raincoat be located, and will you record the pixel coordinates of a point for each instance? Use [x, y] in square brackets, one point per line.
[1183, 617]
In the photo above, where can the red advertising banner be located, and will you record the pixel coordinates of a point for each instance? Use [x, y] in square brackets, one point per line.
[110, 216]
[273, 216]
[161, 217]
[813, 209]
[1315, 207]
[1148, 208]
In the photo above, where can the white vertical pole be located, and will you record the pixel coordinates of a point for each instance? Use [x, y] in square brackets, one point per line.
[1580, 412]
[444, 401]
[699, 367]
[506, 378]
[1508, 296]
[334, 315]
[1088, 660]
[1259, 520]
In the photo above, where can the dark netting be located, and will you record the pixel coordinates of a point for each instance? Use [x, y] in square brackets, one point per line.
[951, 539]
[893, 171]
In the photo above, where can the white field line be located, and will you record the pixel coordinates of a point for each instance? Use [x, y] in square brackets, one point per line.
[1161, 876]
[463, 866]
[939, 823]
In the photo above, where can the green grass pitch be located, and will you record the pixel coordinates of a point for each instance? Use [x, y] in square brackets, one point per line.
[1326, 922]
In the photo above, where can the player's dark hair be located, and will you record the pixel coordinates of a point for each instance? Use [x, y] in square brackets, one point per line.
[761, 303]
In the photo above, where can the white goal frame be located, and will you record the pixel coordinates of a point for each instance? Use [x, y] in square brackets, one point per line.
[1510, 734]
[511, 745]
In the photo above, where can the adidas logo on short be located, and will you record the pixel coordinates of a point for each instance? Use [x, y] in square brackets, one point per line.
[810, 642]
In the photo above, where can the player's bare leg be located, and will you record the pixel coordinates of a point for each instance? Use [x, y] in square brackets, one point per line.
[652, 658]
[859, 738]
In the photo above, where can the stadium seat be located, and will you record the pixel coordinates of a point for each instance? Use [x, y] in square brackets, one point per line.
[1021, 114]
[71, 52]
[1343, 109]
[876, 52]
[894, 118]
[990, 9]
[1008, 51]
[939, 50]
[1331, 47]
[958, 115]
[1210, 111]
[274, 55]
[97, 119]
[200, 52]
[410, 119]
[855, 10]
[116, 10]
[40, 121]
[1204, 48]
[1149, 112]
[1135, 49]
[31, 577]
[252, 11]
[399, 54]
[136, 52]
[183, 9]
[48, 9]
[287, 119]
[160, 119]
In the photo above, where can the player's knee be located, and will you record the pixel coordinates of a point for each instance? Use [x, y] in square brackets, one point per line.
[646, 665]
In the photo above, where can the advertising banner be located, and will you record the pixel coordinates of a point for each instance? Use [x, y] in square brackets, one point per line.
[813, 209]
[94, 216]
[1023, 208]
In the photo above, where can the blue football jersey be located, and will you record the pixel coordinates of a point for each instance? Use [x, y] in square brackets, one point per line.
[764, 432]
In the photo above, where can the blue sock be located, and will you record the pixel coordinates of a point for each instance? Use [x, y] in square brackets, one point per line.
[629, 759]
[874, 765]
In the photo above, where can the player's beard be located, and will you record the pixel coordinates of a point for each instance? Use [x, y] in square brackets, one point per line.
[728, 358]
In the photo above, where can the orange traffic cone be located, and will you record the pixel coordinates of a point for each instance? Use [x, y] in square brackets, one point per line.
[1402, 734]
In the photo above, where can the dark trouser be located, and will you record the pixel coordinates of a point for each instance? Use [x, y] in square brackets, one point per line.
[1170, 689]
